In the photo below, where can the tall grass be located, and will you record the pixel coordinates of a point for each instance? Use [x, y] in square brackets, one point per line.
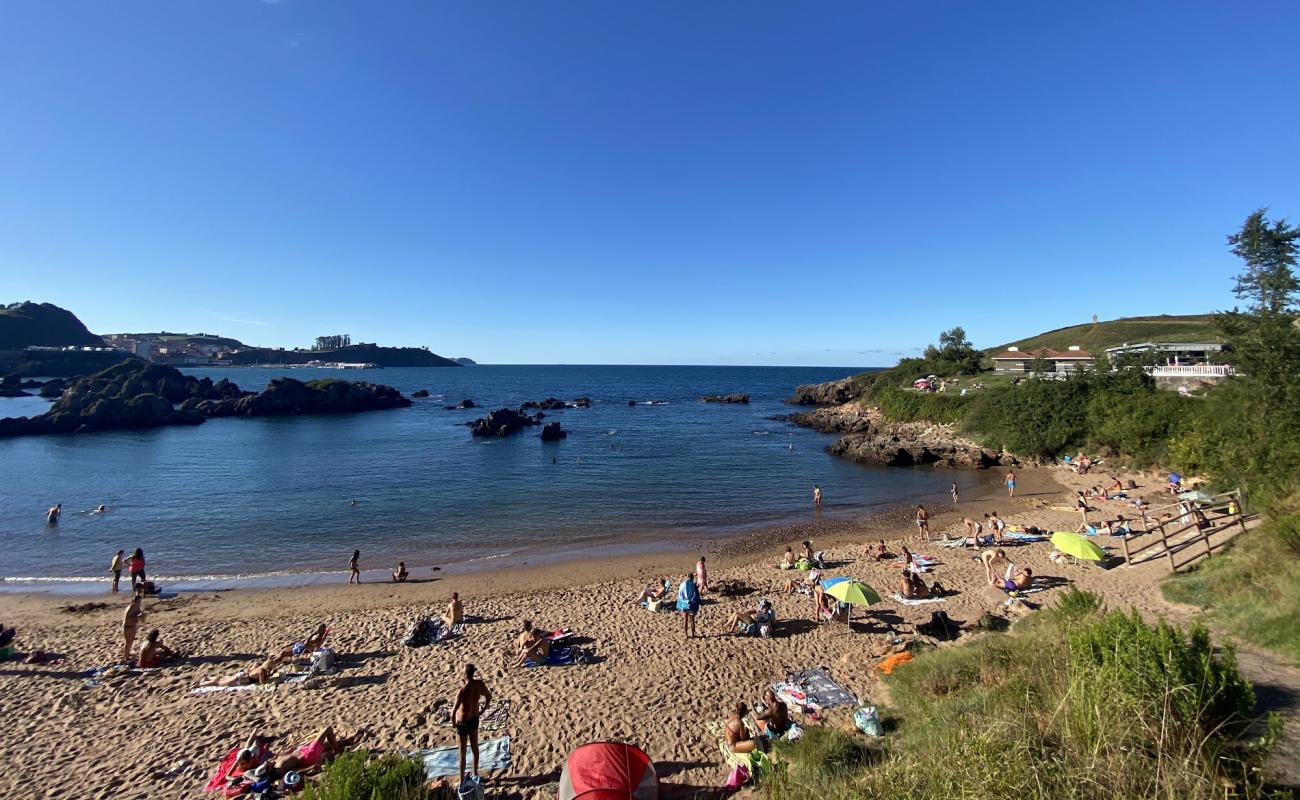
[1251, 590]
[353, 776]
[1077, 703]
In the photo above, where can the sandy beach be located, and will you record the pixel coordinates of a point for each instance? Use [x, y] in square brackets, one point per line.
[145, 735]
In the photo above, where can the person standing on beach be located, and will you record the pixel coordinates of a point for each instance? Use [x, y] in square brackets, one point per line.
[136, 567]
[817, 496]
[923, 521]
[701, 576]
[116, 568]
[954, 494]
[1011, 483]
[131, 622]
[354, 571]
[52, 516]
[471, 701]
[688, 602]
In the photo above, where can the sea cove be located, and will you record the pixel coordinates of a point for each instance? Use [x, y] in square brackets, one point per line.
[272, 495]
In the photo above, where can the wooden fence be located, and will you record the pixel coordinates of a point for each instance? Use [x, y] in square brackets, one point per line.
[1186, 531]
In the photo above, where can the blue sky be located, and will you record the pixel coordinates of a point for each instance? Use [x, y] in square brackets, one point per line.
[666, 182]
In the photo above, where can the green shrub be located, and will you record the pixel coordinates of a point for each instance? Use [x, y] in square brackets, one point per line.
[1072, 704]
[353, 776]
[904, 405]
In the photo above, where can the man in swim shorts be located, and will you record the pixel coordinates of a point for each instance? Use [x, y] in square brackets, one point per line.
[471, 701]
[1011, 484]
[923, 521]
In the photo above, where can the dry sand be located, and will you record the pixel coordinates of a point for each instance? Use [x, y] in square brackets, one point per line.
[651, 686]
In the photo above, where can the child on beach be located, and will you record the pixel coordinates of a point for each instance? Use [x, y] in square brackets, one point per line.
[1011, 483]
[400, 574]
[354, 571]
[953, 490]
[116, 568]
[701, 576]
[136, 567]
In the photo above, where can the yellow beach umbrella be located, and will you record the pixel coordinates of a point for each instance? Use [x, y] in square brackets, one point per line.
[1073, 544]
[852, 593]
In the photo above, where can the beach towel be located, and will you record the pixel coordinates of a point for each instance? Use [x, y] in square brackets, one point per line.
[560, 634]
[219, 778]
[557, 657]
[688, 597]
[888, 663]
[221, 689]
[790, 694]
[916, 601]
[820, 689]
[1022, 537]
[493, 754]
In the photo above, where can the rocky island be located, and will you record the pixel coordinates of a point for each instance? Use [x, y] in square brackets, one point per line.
[136, 395]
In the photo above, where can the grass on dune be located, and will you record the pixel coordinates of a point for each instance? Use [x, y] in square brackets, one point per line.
[1075, 703]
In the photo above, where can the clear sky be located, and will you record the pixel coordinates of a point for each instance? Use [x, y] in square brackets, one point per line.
[637, 182]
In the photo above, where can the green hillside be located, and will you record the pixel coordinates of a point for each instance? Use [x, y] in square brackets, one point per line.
[188, 338]
[1096, 337]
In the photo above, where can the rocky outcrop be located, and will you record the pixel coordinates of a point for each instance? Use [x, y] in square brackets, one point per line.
[825, 394]
[135, 394]
[582, 402]
[53, 388]
[502, 422]
[726, 398]
[868, 439]
[551, 432]
[420, 393]
[549, 404]
[466, 403]
[12, 390]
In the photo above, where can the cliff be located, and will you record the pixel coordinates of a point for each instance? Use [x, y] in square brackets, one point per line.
[357, 353]
[30, 324]
[868, 439]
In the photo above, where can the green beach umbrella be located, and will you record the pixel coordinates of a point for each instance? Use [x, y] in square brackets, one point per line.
[852, 593]
[1073, 544]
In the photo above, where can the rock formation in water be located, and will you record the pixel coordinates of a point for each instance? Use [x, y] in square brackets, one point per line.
[134, 394]
[551, 432]
[825, 394]
[421, 393]
[503, 422]
[726, 398]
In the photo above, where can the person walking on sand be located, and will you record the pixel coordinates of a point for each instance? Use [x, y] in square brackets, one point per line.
[131, 622]
[923, 521]
[354, 571]
[471, 701]
[1011, 483]
[953, 490]
[52, 516]
[817, 496]
[116, 568]
[136, 567]
[701, 576]
[688, 602]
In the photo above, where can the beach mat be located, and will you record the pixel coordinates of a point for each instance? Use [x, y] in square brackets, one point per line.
[557, 657]
[916, 601]
[820, 689]
[494, 754]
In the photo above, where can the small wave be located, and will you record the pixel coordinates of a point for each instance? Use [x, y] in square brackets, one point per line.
[654, 402]
[239, 576]
[611, 432]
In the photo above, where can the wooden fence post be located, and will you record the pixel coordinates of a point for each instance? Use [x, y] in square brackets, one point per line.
[1128, 561]
[1241, 511]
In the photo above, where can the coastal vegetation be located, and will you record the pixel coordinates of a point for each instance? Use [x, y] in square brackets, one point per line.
[354, 776]
[1075, 702]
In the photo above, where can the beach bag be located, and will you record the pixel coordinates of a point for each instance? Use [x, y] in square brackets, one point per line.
[795, 733]
[739, 777]
[150, 587]
[939, 627]
[1132, 484]
[322, 661]
[655, 605]
[470, 789]
[868, 721]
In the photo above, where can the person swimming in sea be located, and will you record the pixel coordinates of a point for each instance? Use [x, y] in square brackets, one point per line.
[52, 516]
[352, 504]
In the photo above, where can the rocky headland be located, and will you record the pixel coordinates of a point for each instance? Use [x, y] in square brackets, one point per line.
[867, 438]
[136, 395]
[825, 394]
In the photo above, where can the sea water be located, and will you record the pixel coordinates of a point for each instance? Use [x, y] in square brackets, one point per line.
[260, 496]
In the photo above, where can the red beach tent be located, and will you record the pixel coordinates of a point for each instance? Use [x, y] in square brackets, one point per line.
[608, 771]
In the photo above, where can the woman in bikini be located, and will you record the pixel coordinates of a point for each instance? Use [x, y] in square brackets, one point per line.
[738, 738]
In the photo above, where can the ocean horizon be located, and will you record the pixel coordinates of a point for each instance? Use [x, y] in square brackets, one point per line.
[272, 496]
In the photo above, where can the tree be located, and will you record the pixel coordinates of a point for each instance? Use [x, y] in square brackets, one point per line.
[1269, 250]
[955, 355]
[332, 342]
